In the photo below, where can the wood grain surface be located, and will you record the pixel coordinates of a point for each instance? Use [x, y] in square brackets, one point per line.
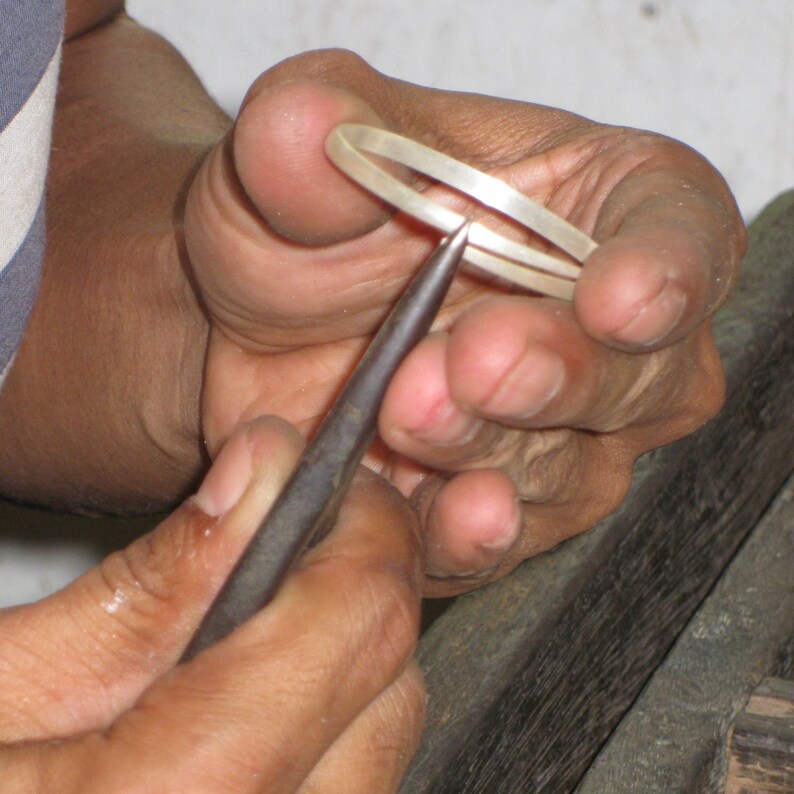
[674, 737]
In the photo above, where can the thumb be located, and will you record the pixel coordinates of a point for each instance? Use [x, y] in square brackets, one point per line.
[279, 158]
[265, 192]
[92, 648]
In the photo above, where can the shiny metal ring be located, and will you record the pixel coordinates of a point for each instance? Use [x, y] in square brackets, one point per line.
[488, 250]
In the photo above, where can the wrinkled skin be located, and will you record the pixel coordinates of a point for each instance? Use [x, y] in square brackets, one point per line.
[251, 274]
[517, 423]
[201, 273]
[93, 698]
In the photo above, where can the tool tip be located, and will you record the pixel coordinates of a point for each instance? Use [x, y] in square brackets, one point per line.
[454, 244]
[460, 236]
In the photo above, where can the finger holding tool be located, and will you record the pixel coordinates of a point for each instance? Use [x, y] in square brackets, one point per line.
[307, 507]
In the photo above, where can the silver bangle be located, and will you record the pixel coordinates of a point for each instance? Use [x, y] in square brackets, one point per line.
[488, 250]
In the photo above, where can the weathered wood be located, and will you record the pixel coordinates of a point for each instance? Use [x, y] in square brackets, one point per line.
[673, 738]
[761, 747]
[529, 676]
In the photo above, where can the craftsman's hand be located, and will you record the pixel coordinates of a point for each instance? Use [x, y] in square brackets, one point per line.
[316, 693]
[527, 414]
[201, 274]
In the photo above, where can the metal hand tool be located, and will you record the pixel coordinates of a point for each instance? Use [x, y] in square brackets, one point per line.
[307, 507]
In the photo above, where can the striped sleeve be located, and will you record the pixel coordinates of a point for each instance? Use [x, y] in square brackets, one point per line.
[30, 47]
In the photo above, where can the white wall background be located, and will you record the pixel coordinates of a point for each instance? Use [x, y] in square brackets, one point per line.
[717, 74]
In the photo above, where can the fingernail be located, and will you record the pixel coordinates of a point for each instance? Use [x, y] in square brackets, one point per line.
[654, 321]
[530, 386]
[504, 538]
[228, 478]
[451, 427]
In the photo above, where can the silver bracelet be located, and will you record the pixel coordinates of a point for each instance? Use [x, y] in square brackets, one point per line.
[487, 249]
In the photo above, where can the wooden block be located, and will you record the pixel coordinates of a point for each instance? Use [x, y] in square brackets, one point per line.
[673, 739]
[761, 744]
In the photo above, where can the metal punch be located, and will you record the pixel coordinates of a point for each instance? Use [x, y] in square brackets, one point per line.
[307, 507]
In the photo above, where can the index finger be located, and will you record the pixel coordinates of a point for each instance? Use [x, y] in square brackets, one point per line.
[671, 241]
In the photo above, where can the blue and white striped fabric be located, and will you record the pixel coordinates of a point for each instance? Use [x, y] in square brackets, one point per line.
[30, 50]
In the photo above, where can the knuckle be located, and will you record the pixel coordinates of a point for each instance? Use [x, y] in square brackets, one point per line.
[398, 631]
[604, 480]
[139, 583]
[601, 496]
[544, 464]
[131, 579]
[549, 468]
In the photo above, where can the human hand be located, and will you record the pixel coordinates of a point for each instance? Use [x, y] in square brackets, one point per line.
[517, 423]
[317, 692]
[295, 267]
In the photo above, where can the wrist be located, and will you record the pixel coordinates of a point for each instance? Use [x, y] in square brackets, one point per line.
[101, 409]
[100, 412]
